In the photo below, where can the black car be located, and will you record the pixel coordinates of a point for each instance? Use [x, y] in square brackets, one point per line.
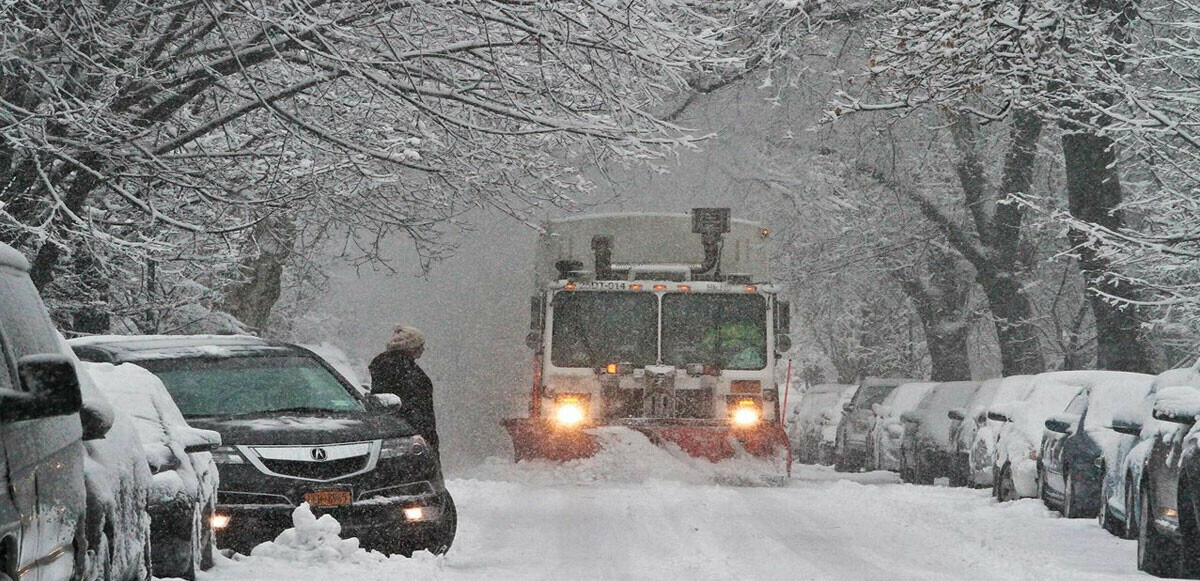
[295, 431]
[1079, 443]
[1168, 530]
[925, 450]
[42, 495]
[853, 432]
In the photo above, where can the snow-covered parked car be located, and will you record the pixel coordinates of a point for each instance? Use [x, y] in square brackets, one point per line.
[925, 452]
[295, 431]
[979, 437]
[887, 432]
[183, 491]
[118, 484]
[41, 449]
[1079, 443]
[853, 431]
[809, 417]
[828, 427]
[1139, 431]
[964, 422]
[1018, 445]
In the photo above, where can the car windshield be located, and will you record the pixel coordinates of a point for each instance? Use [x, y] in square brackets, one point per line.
[595, 328]
[251, 385]
[727, 329]
[870, 395]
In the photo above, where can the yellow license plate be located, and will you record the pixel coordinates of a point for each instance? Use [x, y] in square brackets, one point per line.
[323, 498]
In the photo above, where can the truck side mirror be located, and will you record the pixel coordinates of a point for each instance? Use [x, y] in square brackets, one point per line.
[783, 343]
[51, 388]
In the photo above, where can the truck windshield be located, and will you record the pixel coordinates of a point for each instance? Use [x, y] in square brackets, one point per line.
[595, 328]
[726, 329]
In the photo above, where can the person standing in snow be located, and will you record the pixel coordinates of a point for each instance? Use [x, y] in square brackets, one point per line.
[396, 371]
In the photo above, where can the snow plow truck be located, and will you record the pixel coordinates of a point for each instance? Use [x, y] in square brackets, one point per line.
[667, 324]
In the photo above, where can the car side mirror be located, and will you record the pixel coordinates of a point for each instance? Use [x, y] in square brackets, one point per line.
[1059, 423]
[386, 400]
[997, 416]
[783, 343]
[1129, 428]
[51, 388]
[95, 422]
[533, 341]
[847, 407]
[1175, 417]
[202, 441]
[956, 414]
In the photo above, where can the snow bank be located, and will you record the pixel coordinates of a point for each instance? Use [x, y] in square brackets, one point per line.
[627, 455]
[315, 541]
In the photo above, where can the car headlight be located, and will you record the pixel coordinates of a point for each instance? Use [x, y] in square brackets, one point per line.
[408, 445]
[227, 455]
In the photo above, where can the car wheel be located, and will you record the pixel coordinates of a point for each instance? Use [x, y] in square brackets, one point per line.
[1131, 527]
[441, 540]
[1156, 554]
[1041, 487]
[1070, 505]
[1107, 520]
[1006, 489]
[921, 473]
[1189, 561]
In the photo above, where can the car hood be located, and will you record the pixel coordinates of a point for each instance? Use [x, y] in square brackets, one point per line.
[304, 428]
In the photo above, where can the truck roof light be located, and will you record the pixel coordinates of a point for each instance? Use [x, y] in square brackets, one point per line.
[635, 287]
[751, 288]
[569, 286]
[660, 287]
[684, 288]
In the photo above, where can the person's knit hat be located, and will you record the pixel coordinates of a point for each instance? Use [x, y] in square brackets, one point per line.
[405, 338]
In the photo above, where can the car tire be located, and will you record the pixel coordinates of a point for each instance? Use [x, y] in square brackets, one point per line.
[1006, 489]
[1105, 518]
[921, 473]
[190, 551]
[958, 471]
[1156, 554]
[440, 541]
[1189, 549]
[1131, 526]
[1070, 504]
[1041, 487]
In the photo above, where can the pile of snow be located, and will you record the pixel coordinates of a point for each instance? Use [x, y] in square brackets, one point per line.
[626, 455]
[314, 541]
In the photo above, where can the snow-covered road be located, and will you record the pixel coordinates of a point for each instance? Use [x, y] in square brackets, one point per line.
[663, 521]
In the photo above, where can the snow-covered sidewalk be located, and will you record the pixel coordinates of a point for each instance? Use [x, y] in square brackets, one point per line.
[577, 521]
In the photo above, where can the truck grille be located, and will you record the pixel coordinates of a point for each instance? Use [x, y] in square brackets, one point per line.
[327, 470]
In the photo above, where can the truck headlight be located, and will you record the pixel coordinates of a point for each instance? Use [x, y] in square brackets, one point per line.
[745, 413]
[227, 455]
[570, 409]
[397, 447]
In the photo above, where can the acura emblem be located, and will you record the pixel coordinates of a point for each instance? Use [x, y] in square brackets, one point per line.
[318, 454]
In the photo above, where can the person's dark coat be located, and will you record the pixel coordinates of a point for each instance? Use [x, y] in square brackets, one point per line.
[396, 372]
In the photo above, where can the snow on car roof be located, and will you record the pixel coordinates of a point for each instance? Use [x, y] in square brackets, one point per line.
[141, 394]
[886, 381]
[908, 395]
[142, 347]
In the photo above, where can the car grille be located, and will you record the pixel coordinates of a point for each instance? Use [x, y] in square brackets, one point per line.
[327, 470]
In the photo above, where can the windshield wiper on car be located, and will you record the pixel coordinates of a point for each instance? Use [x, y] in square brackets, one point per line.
[305, 409]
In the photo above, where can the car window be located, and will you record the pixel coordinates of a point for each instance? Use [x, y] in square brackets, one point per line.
[869, 395]
[27, 326]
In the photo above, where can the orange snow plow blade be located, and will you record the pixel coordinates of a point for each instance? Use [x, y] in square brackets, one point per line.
[717, 443]
[541, 439]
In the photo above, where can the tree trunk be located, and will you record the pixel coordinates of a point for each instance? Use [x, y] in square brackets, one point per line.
[252, 301]
[1094, 195]
[1020, 348]
[940, 300]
